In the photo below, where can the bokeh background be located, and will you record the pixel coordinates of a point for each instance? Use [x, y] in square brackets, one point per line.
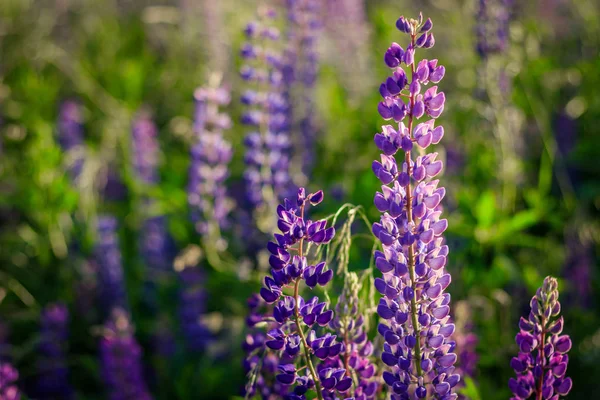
[523, 179]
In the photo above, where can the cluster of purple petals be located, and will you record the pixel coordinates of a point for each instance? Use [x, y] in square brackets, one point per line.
[210, 157]
[302, 66]
[121, 360]
[110, 269]
[492, 26]
[418, 349]
[267, 144]
[145, 149]
[53, 380]
[192, 306]
[290, 316]
[542, 361]
[8, 380]
[260, 363]
[70, 135]
[358, 349]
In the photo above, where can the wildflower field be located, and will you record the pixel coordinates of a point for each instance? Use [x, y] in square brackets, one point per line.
[299, 199]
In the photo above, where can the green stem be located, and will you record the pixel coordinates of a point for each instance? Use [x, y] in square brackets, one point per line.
[297, 319]
[411, 250]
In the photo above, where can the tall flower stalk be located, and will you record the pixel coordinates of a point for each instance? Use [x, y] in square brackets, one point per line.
[110, 269]
[300, 76]
[156, 245]
[417, 332]
[267, 144]
[211, 155]
[53, 381]
[121, 360]
[8, 379]
[70, 136]
[542, 361]
[292, 322]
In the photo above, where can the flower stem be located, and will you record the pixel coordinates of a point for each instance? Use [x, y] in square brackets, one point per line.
[411, 250]
[540, 383]
[313, 372]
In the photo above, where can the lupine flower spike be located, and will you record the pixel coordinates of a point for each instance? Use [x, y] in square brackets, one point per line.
[70, 136]
[267, 144]
[209, 168]
[293, 321]
[300, 75]
[418, 349]
[542, 361]
[53, 382]
[121, 359]
[8, 379]
[349, 324]
[110, 269]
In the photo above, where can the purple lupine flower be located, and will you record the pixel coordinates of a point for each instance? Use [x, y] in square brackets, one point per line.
[267, 144]
[301, 68]
[261, 364]
[70, 136]
[8, 379]
[358, 349]
[340, 15]
[192, 306]
[290, 316]
[492, 26]
[211, 154]
[53, 380]
[418, 348]
[466, 342]
[121, 360]
[110, 269]
[145, 149]
[542, 361]
[157, 248]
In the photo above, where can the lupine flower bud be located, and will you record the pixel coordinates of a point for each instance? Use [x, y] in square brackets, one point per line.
[267, 144]
[8, 379]
[542, 361]
[209, 168]
[417, 332]
[53, 380]
[108, 256]
[121, 360]
[70, 136]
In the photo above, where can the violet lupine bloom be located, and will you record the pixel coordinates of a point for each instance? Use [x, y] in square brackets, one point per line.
[358, 349]
[293, 315]
[301, 67]
[145, 149]
[53, 380]
[121, 360]
[267, 144]
[492, 27]
[418, 348]
[8, 379]
[70, 136]
[110, 270]
[192, 306]
[542, 361]
[157, 247]
[211, 154]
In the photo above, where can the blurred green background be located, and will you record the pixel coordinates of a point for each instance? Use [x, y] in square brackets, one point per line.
[522, 147]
